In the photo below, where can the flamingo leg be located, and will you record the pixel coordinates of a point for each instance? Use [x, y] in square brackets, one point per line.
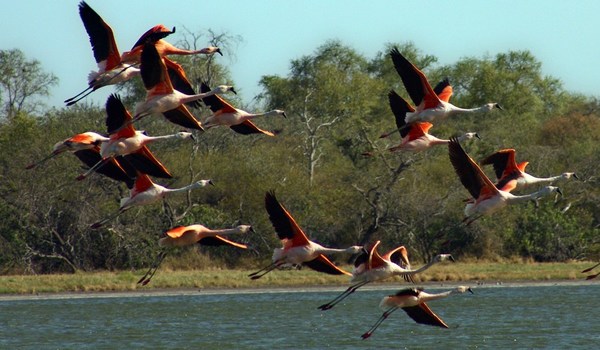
[50, 156]
[95, 167]
[264, 270]
[73, 100]
[382, 318]
[101, 223]
[69, 100]
[148, 276]
[590, 268]
[592, 276]
[342, 296]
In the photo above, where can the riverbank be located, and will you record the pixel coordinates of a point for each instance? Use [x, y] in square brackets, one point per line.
[472, 273]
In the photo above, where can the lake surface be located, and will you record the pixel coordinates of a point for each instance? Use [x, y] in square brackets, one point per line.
[563, 316]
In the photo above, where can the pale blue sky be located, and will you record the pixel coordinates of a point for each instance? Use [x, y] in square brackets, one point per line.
[563, 35]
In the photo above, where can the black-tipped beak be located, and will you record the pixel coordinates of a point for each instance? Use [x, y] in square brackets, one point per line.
[173, 30]
[219, 52]
[477, 135]
[193, 137]
[284, 115]
[559, 191]
[499, 107]
[210, 182]
[252, 229]
[233, 90]
[470, 290]
[451, 258]
[575, 176]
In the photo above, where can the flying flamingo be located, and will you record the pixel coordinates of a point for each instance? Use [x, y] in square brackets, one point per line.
[370, 267]
[111, 69]
[428, 105]
[161, 97]
[413, 302]
[188, 235]
[589, 277]
[129, 143]
[147, 192]
[86, 147]
[415, 136]
[297, 248]
[238, 120]
[487, 197]
[511, 175]
[114, 68]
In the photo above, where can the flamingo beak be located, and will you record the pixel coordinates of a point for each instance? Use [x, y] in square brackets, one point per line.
[252, 229]
[451, 258]
[219, 52]
[284, 115]
[559, 191]
[233, 90]
[470, 290]
[210, 183]
[499, 107]
[575, 176]
[477, 135]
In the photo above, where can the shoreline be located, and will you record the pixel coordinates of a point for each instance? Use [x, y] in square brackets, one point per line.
[166, 292]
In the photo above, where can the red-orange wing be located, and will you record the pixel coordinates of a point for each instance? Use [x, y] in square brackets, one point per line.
[101, 37]
[469, 173]
[375, 260]
[415, 82]
[220, 241]
[247, 127]
[216, 103]
[284, 224]
[83, 139]
[418, 129]
[144, 161]
[176, 232]
[142, 183]
[423, 314]
[322, 264]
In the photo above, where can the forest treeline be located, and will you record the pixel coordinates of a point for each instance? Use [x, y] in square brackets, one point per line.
[336, 102]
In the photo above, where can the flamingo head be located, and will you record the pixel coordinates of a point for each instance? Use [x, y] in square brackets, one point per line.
[463, 289]
[245, 228]
[184, 135]
[211, 50]
[443, 257]
[355, 249]
[490, 106]
[204, 183]
[569, 175]
[221, 89]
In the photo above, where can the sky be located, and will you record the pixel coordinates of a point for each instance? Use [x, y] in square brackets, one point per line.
[563, 35]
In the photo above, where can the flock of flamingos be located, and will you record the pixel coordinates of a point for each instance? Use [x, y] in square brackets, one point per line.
[123, 155]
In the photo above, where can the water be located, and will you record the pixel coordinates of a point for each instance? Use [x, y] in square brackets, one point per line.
[523, 317]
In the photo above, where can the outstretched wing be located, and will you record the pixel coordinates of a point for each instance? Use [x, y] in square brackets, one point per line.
[101, 37]
[284, 224]
[247, 127]
[423, 314]
[322, 264]
[469, 173]
[220, 241]
[415, 81]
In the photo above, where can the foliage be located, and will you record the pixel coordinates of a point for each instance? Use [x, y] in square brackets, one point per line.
[336, 103]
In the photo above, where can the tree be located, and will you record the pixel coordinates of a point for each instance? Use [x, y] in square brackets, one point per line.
[22, 80]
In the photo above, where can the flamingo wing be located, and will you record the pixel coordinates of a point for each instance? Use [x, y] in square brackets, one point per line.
[469, 173]
[399, 256]
[144, 161]
[443, 90]
[400, 107]
[84, 139]
[375, 260]
[215, 102]
[220, 241]
[503, 162]
[418, 129]
[154, 71]
[177, 231]
[116, 117]
[284, 224]
[153, 35]
[180, 81]
[322, 264]
[111, 168]
[142, 183]
[415, 81]
[247, 127]
[422, 314]
[101, 37]
[182, 116]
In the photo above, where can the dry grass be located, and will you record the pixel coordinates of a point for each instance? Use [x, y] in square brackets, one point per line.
[166, 277]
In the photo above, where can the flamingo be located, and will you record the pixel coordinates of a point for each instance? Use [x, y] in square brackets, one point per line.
[415, 136]
[146, 192]
[129, 143]
[589, 277]
[370, 267]
[413, 302]
[188, 235]
[487, 197]
[111, 68]
[297, 248]
[429, 105]
[238, 120]
[161, 97]
[86, 147]
[511, 175]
